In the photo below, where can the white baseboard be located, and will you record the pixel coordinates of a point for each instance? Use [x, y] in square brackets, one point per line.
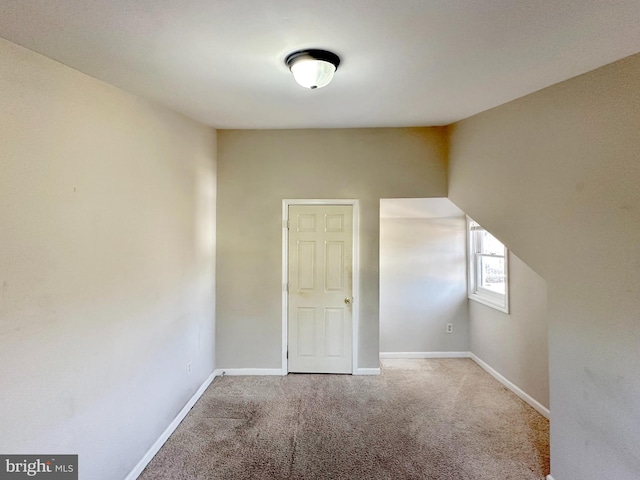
[514, 388]
[144, 461]
[549, 477]
[425, 354]
[277, 371]
[248, 371]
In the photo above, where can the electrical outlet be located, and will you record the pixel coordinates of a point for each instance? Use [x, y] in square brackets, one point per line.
[449, 327]
[189, 368]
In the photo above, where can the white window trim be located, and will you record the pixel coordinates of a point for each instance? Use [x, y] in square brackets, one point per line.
[479, 294]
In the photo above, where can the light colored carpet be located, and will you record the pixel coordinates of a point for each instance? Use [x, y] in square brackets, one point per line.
[442, 419]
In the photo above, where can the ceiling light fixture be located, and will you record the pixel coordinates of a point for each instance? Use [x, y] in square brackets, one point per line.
[312, 68]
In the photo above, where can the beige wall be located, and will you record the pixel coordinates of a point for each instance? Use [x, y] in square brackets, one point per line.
[107, 207]
[256, 170]
[515, 344]
[555, 175]
[423, 285]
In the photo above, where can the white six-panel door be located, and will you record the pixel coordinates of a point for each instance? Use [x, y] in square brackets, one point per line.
[320, 288]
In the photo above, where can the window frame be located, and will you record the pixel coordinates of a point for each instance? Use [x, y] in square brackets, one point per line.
[475, 291]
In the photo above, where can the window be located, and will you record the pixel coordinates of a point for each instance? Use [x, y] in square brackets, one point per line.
[488, 268]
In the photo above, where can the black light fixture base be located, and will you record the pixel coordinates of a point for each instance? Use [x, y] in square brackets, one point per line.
[312, 54]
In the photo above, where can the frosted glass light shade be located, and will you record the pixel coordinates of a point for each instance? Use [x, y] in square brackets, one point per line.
[312, 68]
[313, 73]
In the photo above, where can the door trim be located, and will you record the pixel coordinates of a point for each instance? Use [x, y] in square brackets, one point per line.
[355, 310]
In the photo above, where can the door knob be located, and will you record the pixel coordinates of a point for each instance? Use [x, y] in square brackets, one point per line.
[347, 300]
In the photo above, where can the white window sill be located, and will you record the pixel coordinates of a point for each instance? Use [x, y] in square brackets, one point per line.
[489, 302]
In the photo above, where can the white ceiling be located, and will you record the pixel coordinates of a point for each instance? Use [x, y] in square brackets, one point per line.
[404, 62]
[419, 208]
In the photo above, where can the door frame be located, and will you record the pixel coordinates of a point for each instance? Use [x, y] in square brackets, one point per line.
[355, 305]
